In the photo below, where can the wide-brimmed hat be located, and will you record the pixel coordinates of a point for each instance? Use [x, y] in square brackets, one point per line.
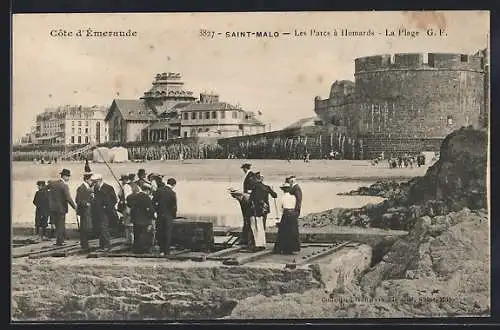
[141, 172]
[246, 165]
[259, 176]
[131, 176]
[40, 183]
[285, 185]
[96, 176]
[65, 172]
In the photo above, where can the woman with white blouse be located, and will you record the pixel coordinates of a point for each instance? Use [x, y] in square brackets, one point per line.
[287, 240]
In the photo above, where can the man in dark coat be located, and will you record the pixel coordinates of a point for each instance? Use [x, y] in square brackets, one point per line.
[141, 214]
[297, 192]
[83, 199]
[246, 210]
[103, 208]
[59, 198]
[41, 202]
[165, 201]
[260, 197]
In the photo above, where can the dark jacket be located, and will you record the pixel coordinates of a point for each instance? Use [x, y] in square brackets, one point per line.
[59, 197]
[259, 198]
[297, 192]
[249, 182]
[141, 208]
[165, 202]
[104, 200]
[83, 197]
[41, 201]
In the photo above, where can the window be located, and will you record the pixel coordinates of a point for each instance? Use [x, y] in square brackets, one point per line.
[199, 130]
[223, 114]
[86, 139]
[185, 115]
[72, 123]
[185, 134]
[193, 115]
[450, 120]
[464, 58]
[79, 123]
[72, 139]
[214, 114]
[235, 114]
[79, 130]
[200, 115]
[98, 131]
[207, 130]
[86, 131]
[207, 115]
[73, 130]
[79, 139]
[466, 120]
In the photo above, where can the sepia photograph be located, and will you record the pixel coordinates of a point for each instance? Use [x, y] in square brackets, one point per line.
[250, 166]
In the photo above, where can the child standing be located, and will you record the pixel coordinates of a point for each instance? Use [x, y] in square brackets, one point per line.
[41, 202]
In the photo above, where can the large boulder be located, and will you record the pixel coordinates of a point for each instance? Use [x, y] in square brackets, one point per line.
[459, 177]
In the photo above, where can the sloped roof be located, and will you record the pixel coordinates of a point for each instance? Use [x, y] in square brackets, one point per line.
[304, 122]
[133, 110]
[164, 124]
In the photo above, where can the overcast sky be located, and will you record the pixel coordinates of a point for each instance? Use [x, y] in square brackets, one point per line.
[279, 77]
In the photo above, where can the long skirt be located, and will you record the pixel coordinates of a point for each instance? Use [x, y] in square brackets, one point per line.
[258, 232]
[288, 239]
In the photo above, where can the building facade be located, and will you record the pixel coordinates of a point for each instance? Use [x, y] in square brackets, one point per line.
[168, 110]
[71, 125]
[211, 118]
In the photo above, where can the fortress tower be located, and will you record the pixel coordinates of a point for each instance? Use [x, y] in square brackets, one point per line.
[412, 100]
[418, 95]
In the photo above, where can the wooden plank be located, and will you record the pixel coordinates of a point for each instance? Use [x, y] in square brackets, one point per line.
[129, 254]
[219, 254]
[33, 247]
[46, 250]
[246, 259]
[319, 254]
[70, 250]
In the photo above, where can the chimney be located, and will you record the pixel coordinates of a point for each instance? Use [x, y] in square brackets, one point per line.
[209, 98]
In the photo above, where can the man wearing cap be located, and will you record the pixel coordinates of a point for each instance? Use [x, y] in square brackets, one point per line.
[59, 198]
[246, 211]
[83, 199]
[165, 202]
[103, 207]
[41, 202]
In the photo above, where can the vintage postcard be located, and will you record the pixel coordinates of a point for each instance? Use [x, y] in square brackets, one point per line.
[229, 166]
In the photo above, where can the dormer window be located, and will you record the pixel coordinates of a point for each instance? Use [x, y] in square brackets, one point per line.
[450, 120]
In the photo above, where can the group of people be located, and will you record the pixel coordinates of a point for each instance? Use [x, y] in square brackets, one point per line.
[143, 201]
[255, 206]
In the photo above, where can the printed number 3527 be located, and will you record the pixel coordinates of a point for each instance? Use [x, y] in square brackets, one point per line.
[206, 33]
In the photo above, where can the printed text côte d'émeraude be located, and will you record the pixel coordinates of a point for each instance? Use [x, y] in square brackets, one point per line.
[91, 33]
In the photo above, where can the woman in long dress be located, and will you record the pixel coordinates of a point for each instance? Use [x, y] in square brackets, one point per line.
[287, 241]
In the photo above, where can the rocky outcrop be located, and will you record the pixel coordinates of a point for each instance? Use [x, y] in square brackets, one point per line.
[456, 181]
[384, 189]
[440, 269]
[48, 290]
